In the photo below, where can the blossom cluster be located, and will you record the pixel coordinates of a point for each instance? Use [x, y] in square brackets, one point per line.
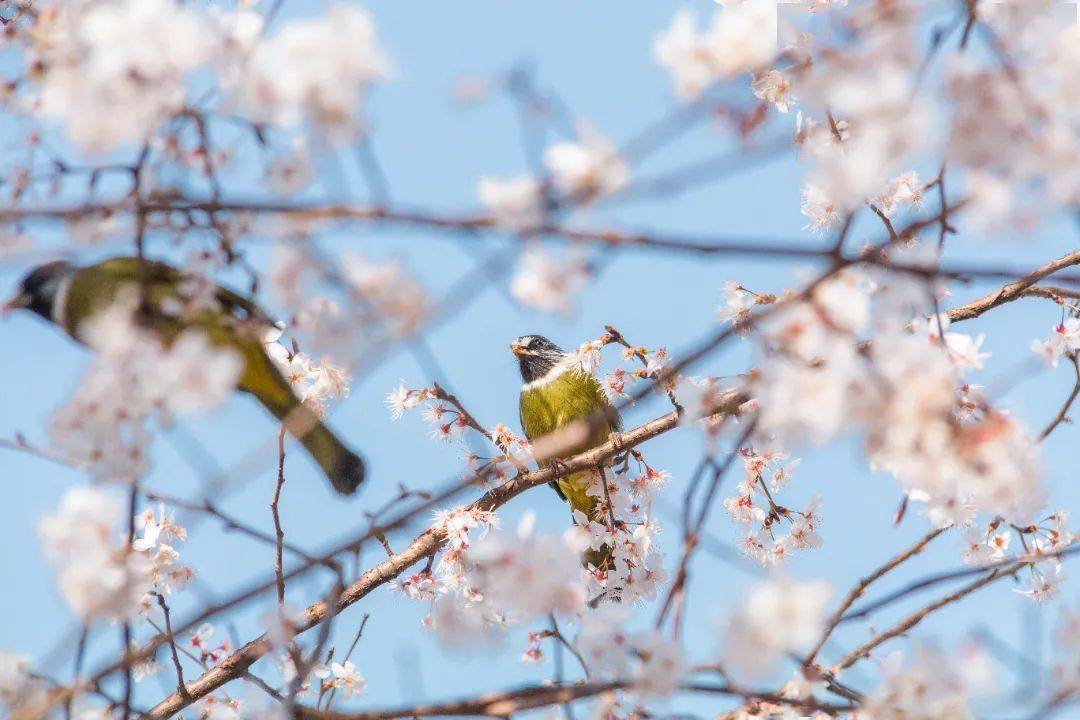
[990, 543]
[374, 302]
[740, 38]
[18, 685]
[92, 56]
[503, 578]
[755, 508]
[776, 617]
[652, 663]
[577, 171]
[929, 684]
[315, 384]
[101, 575]
[850, 357]
[616, 382]
[134, 376]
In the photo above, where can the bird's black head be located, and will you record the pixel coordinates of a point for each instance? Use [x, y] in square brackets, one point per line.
[536, 356]
[37, 291]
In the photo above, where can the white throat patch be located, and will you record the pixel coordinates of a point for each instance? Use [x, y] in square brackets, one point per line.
[59, 307]
[552, 375]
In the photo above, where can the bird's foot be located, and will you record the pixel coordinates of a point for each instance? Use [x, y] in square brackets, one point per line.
[620, 462]
[558, 466]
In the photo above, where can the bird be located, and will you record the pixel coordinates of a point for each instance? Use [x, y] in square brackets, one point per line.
[68, 296]
[556, 392]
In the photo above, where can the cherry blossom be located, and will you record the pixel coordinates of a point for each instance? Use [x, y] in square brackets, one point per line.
[347, 679]
[548, 283]
[97, 56]
[516, 203]
[740, 38]
[99, 575]
[776, 617]
[18, 686]
[588, 168]
[927, 687]
[315, 70]
[132, 377]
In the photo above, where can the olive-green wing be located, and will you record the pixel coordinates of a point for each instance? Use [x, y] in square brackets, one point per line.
[166, 281]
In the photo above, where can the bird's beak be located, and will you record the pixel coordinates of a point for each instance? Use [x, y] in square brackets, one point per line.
[518, 349]
[18, 301]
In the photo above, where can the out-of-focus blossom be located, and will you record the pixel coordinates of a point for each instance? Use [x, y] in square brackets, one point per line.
[655, 663]
[99, 576]
[740, 38]
[773, 86]
[18, 686]
[290, 172]
[315, 70]
[130, 54]
[131, 377]
[777, 617]
[1064, 338]
[586, 169]
[548, 283]
[928, 686]
[516, 203]
[521, 575]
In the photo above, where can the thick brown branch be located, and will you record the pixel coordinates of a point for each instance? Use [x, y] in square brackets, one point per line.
[501, 704]
[505, 704]
[421, 547]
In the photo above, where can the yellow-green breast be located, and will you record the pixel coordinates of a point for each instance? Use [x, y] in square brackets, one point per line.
[548, 405]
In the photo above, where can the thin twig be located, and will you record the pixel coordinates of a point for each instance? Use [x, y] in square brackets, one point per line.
[1063, 412]
[279, 534]
[860, 588]
[180, 686]
[915, 618]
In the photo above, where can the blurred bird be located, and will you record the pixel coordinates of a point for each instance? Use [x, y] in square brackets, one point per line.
[556, 392]
[69, 296]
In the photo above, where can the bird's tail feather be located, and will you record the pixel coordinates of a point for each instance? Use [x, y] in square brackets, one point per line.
[343, 467]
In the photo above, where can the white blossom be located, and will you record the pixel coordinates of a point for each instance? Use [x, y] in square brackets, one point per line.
[133, 376]
[315, 70]
[776, 617]
[525, 573]
[99, 576]
[18, 686]
[740, 38]
[348, 679]
[130, 54]
[586, 169]
[517, 203]
[548, 283]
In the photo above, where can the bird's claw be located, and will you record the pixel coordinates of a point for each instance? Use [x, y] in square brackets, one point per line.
[621, 460]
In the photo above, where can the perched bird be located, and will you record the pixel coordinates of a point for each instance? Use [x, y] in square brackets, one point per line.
[69, 296]
[557, 392]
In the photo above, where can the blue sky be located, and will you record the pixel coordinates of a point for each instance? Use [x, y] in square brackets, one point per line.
[597, 56]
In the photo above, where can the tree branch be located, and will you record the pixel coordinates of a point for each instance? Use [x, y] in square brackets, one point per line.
[424, 545]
